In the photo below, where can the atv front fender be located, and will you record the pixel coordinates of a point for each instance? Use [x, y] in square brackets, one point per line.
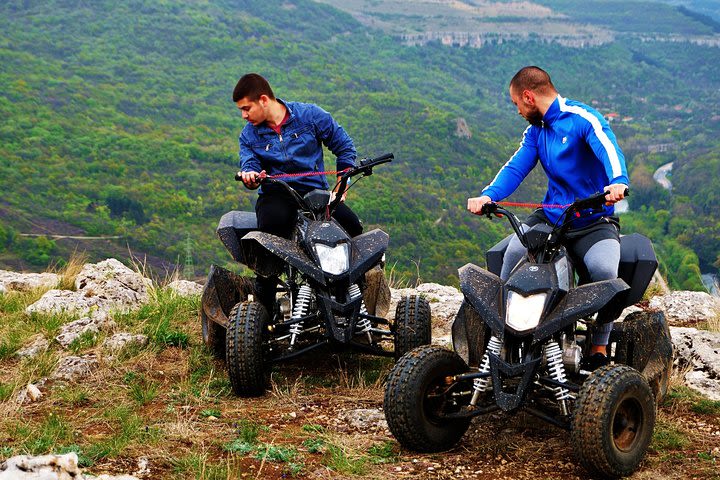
[483, 291]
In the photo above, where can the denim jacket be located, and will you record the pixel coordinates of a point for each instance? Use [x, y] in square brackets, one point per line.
[299, 146]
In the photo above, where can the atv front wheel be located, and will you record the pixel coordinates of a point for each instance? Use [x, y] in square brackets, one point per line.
[613, 421]
[244, 349]
[418, 394]
[213, 335]
[412, 324]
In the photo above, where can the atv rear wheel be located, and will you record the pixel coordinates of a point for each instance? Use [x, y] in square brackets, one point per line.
[613, 421]
[244, 349]
[412, 324]
[417, 394]
[213, 335]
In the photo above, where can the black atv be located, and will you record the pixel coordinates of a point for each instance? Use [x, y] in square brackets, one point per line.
[519, 345]
[332, 291]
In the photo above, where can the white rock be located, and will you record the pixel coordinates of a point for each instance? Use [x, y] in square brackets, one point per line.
[73, 330]
[120, 340]
[365, 418]
[25, 282]
[185, 288]
[29, 394]
[66, 301]
[74, 368]
[37, 345]
[683, 306]
[112, 281]
[44, 467]
[701, 350]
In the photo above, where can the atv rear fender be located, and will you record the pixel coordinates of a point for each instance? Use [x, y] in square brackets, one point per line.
[223, 290]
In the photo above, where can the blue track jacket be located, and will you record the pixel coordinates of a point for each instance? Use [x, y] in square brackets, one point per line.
[578, 151]
[298, 148]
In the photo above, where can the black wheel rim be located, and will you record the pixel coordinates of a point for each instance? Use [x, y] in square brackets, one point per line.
[439, 400]
[627, 424]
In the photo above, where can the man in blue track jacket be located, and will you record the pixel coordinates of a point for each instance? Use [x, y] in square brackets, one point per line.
[580, 155]
[287, 137]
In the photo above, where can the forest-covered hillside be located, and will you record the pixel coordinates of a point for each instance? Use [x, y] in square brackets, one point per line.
[117, 120]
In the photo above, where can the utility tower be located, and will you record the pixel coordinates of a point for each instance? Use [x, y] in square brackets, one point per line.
[189, 267]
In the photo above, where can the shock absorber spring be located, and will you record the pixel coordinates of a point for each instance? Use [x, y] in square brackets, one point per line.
[300, 309]
[553, 357]
[363, 324]
[484, 384]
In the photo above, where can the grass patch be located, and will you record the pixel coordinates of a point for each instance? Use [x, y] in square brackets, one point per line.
[47, 436]
[338, 460]
[668, 437]
[84, 341]
[706, 407]
[385, 452]
[73, 396]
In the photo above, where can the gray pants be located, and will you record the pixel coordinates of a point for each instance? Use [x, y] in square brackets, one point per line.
[601, 260]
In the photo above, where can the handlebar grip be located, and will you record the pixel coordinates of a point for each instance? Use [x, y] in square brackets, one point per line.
[377, 160]
[238, 177]
[387, 156]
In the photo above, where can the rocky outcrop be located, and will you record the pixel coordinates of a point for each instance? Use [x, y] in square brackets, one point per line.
[185, 288]
[683, 308]
[93, 325]
[106, 286]
[25, 282]
[700, 351]
[49, 467]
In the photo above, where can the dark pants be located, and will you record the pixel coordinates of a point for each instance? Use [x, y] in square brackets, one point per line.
[277, 214]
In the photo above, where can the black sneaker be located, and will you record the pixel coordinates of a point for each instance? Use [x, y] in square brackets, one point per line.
[595, 361]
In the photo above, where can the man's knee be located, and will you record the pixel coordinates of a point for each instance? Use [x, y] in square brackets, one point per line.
[603, 259]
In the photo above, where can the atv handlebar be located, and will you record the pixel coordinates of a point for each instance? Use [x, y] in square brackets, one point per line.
[365, 168]
[594, 203]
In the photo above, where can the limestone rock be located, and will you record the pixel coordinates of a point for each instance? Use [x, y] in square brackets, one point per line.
[74, 368]
[65, 301]
[37, 345]
[105, 286]
[24, 282]
[112, 281]
[366, 419]
[44, 467]
[73, 330]
[121, 340]
[185, 288]
[701, 350]
[444, 304]
[684, 307]
[29, 394]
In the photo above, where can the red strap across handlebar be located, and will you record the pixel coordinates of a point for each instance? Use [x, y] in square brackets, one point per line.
[532, 205]
[307, 174]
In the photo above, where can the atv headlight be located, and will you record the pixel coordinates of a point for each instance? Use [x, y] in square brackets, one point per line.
[333, 260]
[523, 313]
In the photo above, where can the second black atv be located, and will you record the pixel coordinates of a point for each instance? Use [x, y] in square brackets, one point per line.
[519, 345]
[331, 291]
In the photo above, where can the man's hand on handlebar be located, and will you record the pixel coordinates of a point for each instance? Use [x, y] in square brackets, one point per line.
[615, 192]
[251, 180]
[475, 204]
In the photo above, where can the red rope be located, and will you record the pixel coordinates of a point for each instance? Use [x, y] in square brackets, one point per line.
[307, 174]
[531, 205]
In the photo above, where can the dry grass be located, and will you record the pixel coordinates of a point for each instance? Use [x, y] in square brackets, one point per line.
[714, 322]
[70, 270]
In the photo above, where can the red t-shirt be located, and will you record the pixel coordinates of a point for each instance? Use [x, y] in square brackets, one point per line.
[277, 128]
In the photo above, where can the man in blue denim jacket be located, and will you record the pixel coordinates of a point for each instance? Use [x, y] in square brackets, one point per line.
[287, 137]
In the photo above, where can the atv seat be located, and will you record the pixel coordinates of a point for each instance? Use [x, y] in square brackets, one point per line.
[637, 265]
[232, 227]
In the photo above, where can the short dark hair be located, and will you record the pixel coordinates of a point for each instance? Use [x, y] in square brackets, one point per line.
[252, 85]
[532, 78]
